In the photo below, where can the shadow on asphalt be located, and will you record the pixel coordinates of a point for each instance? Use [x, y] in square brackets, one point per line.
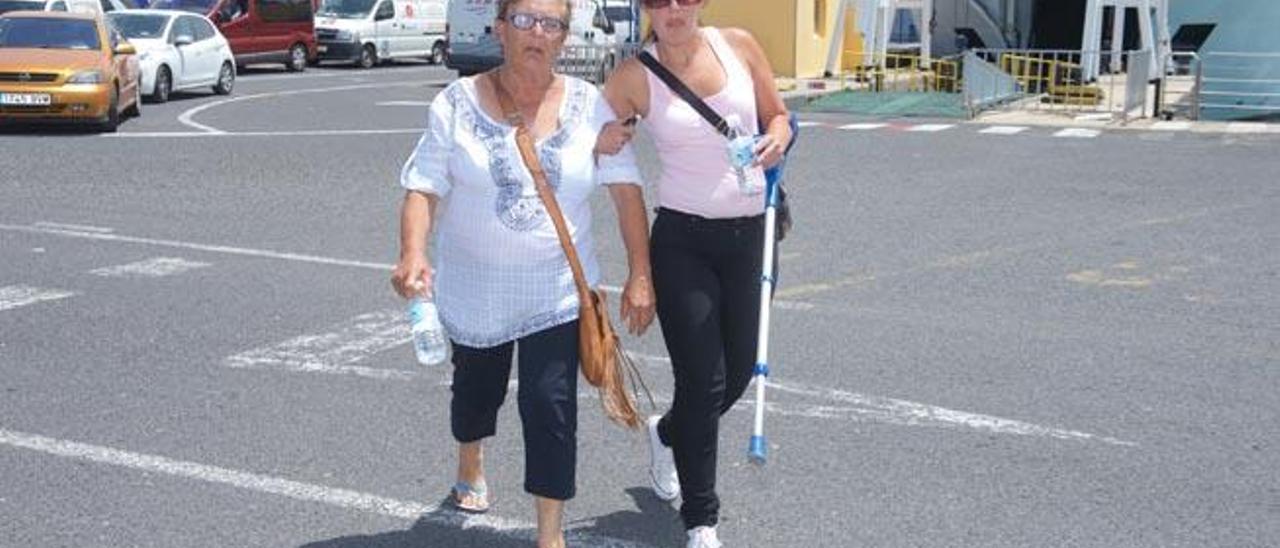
[654, 522]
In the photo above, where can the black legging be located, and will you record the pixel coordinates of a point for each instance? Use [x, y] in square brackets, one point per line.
[706, 274]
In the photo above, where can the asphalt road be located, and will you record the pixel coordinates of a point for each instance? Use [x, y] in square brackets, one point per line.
[981, 339]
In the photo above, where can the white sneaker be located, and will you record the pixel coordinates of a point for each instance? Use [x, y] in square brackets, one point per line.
[662, 465]
[703, 537]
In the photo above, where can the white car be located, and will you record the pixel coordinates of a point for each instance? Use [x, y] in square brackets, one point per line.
[75, 6]
[177, 51]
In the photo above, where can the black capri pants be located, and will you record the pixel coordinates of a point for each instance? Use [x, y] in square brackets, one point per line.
[547, 396]
[706, 275]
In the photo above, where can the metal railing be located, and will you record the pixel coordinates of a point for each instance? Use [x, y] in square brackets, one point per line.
[895, 72]
[1055, 81]
[1239, 85]
[986, 85]
[1180, 89]
[594, 63]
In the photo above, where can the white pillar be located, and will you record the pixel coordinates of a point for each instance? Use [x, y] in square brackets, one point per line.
[836, 50]
[1092, 39]
[1119, 13]
[1148, 37]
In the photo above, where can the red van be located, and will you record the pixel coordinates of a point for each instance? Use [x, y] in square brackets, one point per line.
[260, 31]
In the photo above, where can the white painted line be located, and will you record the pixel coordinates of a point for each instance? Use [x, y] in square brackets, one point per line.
[862, 127]
[1096, 117]
[340, 498]
[299, 133]
[1078, 133]
[15, 296]
[1248, 127]
[151, 268]
[199, 247]
[893, 411]
[930, 128]
[81, 228]
[810, 124]
[336, 351]
[186, 117]
[404, 104]
[1169, 125]
[1004, 130]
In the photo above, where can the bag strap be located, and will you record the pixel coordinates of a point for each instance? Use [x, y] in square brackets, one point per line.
[679, 88]
[524, 141]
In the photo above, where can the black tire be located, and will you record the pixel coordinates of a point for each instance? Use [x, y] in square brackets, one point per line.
[113, 113]
[438, 53]
[164, 85]
[368, 57]
[297, 61]
[226, 80]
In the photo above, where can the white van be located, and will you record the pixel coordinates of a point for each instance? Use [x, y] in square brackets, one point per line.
[74, 6]
[367, 32]
[473, 48]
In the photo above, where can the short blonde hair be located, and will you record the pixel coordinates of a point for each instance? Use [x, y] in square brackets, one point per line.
[504, 6]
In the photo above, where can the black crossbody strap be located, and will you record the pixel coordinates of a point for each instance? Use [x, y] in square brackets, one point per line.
[687, 94]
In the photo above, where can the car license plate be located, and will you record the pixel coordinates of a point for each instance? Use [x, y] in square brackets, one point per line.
[322, 49]
[26, 99]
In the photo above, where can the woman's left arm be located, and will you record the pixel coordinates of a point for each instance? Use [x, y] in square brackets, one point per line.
[769, 106]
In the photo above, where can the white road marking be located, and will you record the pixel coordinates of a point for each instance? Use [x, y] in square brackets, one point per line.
[1168, 125]
[1095, 117]
[15, 296]
[336, 351]
[1249, 127]
[340, 498]
[404, 104]
[893, 411]
[151, 268]
[1004, 130]
[81, 228]
[931, 128]
[186, 117]
[1078, 133]
[199, 247]
[299, 133]
[809, 124]
[862, 127]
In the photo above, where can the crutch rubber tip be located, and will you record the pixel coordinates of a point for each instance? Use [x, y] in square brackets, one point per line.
[758, 452]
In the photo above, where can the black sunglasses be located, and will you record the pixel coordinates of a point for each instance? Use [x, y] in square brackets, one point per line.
[526, 21]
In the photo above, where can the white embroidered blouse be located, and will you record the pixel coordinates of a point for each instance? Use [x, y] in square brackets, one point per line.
[500, 273]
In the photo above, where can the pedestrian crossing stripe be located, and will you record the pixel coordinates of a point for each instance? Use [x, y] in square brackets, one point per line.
[151, 268]
[1004, 130]
[863, 126]
[930, 128]
[1078, 133]
[16, 296]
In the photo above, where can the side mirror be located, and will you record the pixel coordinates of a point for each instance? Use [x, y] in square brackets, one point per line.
[125, 48]
[183, 40]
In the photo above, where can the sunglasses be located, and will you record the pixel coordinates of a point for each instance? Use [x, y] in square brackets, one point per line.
[526, 21]
[659, 4]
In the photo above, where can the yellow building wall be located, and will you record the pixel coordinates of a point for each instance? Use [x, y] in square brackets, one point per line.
[795, 34]
[772, 22]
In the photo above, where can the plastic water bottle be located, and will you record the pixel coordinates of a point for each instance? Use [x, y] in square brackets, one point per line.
[429, 340]
[742, 153]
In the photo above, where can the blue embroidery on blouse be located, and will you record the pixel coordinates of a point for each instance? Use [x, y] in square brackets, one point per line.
[517, 209]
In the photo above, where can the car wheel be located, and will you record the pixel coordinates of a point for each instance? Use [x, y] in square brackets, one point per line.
[226, 80]
[297, 58]
[368, 57]
[112, 121]
[438, 52]
[164, 85]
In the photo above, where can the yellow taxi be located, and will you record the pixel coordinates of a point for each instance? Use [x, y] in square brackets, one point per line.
[74, 67]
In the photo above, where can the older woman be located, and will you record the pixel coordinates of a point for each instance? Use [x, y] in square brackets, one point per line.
[501, 279]
[706, 243]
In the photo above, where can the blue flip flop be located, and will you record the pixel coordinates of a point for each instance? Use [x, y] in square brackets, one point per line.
[462, 491]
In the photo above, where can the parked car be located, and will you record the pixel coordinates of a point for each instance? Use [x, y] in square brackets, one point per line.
[177, 51]
[78, 6]
[260, 31]
[367, 32]
[66, 67]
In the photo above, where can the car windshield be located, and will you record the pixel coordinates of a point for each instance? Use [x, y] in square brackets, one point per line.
[618, 14]
[137, 25]
[48, 33]
[347, 9]
[15, 5]
[201, 7]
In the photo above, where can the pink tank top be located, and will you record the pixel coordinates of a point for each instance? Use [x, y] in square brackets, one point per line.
[696, 176]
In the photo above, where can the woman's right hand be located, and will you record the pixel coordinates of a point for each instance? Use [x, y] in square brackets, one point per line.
[412, 276]
[614, 136]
